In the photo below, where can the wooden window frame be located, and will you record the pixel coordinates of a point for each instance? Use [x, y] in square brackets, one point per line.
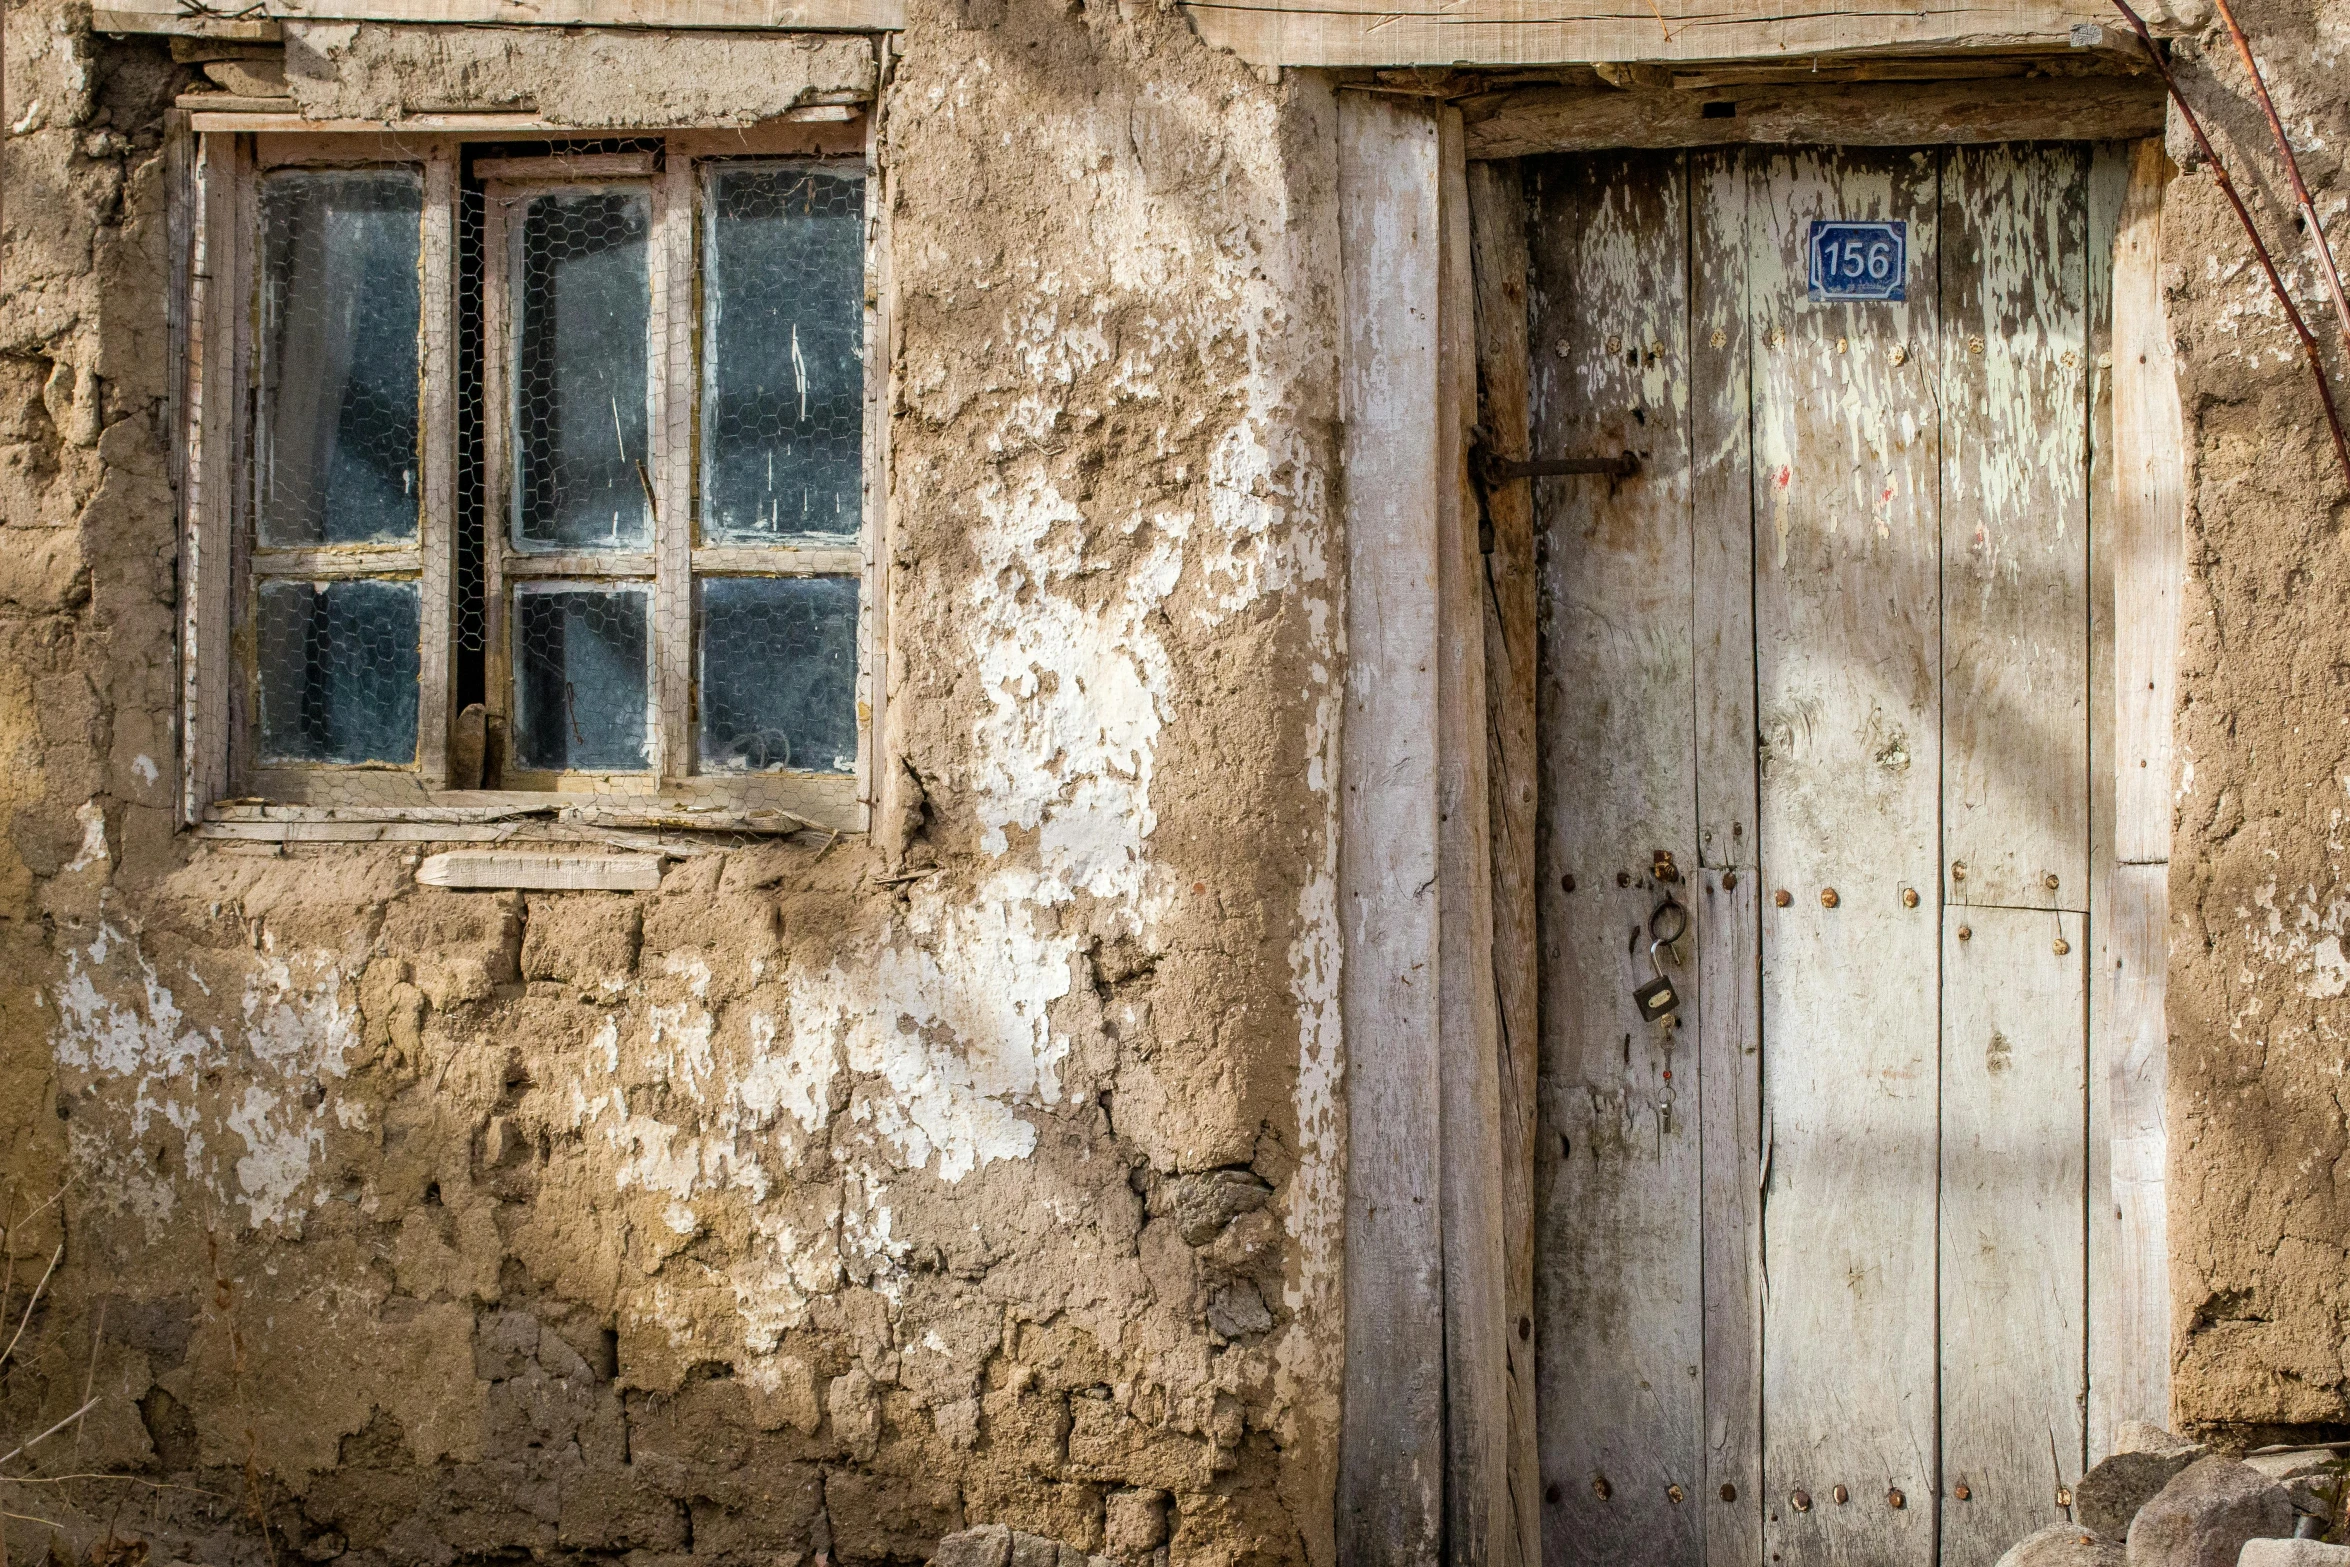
[225, 790]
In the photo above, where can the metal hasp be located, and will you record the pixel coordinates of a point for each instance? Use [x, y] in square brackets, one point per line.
[1493, 469]
[1501, 470]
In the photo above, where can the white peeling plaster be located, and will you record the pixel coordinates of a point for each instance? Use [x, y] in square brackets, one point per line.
[116, 1020]
[2303, 938]
[92, 816]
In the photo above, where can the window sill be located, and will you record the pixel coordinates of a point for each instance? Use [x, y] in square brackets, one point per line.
[500, 816]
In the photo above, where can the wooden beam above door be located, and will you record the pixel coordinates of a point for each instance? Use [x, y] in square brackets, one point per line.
[1527, 32]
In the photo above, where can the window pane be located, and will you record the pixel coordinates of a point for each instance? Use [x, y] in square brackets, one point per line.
[336, 433]
[582, 308]
[579, 679]
[338, 671]
[783, 353]
[778, 659]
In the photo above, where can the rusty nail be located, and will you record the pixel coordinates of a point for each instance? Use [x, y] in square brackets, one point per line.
[1960, 1491]
[2064, 1496]
[1801, 1501]
[1966, 933]
[1827, 897]
[1895, 1499]
[2049, 881]
[1842, 1495]
[1958, 870]
[1729, 880]
[1909, 897]
[1674, 1493]
[2063, 946]
[1600, 1488]
[1661, 866]
[1782, 897]
[1729, 1492]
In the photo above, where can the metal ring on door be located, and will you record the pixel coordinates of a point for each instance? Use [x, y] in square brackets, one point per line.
[1680, 921]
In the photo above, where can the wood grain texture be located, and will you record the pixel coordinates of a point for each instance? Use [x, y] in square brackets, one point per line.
[1481, 1524]
[1881, 114]
[541, 872]
[1497, 214]
[798, 15]
[1729, 1018]
[2015, 527]
[1619, 1289]
[670, 423]
[2014, 1242]
[211, 436]
[2129, 1336]
[1392, 1448]
[1847, 608]
[437, 524]
[1516, 32]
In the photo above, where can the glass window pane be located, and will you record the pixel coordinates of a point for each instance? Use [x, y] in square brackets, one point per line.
[783, 353]
[338, 671]
[335, 439]
[580, 679]
[778, 661]
[582, 309]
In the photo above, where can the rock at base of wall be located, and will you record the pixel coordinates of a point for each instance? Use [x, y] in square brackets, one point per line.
[2311, 1476]
[2293, 1553]
[994, 1545]
[2063, 1545]
[2205, 1514]
[2110, 1494]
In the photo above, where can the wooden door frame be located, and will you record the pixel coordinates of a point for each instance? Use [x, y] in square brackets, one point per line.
[1437, 1449]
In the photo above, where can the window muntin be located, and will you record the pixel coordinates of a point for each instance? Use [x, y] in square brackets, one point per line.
[625, 643]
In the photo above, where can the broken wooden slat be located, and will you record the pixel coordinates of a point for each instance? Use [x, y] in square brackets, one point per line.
[541, 872]
[1498, 234]
[1882, 114]
[1390, 1502]
[1729, 952]
[1847, 630]
[1619, 1288]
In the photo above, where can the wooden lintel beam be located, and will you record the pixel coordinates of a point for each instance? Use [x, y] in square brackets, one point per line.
[1866, 114]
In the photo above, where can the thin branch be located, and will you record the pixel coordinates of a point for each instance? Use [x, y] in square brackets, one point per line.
[2276, 128]
[44, 1436]
[31, 1301]
[152, 1485]
[2227, 187]
[90, 1382]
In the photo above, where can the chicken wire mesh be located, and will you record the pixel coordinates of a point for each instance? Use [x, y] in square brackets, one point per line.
[776, 406]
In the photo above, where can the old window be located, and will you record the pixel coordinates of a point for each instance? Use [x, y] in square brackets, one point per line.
[531, 472]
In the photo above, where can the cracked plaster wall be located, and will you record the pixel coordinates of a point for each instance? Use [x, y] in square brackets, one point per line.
[824, 1199]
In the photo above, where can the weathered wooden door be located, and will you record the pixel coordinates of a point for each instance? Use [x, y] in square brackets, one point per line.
[1812, 1283]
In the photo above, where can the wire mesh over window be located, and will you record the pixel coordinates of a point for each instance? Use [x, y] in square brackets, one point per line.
[338, 665]
[777, 660]
[582, 303]
[783, 352]
[336, 456]
[581, 674]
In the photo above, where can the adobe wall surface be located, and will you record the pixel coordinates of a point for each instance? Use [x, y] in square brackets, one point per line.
[826, 1199]
[2260, 868]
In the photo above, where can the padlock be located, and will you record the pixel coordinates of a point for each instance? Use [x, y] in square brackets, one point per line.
[1657, 999]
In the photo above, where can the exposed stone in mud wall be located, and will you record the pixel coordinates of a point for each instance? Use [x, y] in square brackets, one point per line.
[821, 1200]
[2260, 878]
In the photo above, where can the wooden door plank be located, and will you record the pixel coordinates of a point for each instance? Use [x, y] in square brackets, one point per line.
[2015, 738]
[1481, 1525]
[1497, 223]
[2015, 527]
[2014, 1242]
[1848, 651]
[1729, 1021]
[1619, 1287]
[2129, 1339]
[1391, 1459]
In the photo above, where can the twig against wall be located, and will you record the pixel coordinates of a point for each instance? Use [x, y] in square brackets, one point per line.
[2268, 265]
[2276, 128]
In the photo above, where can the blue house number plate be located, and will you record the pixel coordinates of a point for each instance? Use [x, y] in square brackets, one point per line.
[1859, 260]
